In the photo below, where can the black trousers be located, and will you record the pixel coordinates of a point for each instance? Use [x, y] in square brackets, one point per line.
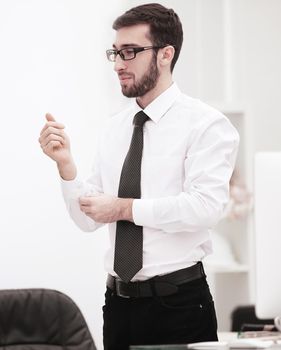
[185, 317]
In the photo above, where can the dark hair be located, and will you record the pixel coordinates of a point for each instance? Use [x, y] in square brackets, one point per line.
[165, 25]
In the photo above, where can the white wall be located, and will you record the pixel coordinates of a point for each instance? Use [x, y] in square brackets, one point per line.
[257, 68]
[52, 60]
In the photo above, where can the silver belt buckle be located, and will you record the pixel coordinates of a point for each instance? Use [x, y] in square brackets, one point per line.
[119, 292]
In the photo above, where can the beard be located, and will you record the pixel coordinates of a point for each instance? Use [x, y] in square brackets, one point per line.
[146, 83]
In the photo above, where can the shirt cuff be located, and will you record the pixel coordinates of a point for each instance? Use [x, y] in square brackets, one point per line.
[143, 212]
[72, 189]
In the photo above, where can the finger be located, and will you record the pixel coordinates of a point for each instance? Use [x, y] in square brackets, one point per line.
[52, 131]
[82, 208]
[52, 137]
[49, 117]
[51, 145]
[84, 201]
[52, 124]
[85, 209]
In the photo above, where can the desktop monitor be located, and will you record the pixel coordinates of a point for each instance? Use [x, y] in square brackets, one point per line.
[267, 194]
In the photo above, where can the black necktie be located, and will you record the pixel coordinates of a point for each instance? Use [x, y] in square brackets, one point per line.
[129, 239]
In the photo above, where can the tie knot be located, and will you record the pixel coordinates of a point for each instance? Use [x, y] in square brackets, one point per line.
[140, 118]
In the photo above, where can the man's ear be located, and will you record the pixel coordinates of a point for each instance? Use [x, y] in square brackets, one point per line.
[166, 55]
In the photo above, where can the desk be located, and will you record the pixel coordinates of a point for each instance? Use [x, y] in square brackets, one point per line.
[181, 347]
[227, 340]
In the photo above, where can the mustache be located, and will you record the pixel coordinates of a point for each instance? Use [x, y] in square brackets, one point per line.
[125, 75]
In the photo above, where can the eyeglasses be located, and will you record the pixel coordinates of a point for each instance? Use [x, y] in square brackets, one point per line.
[128, 53]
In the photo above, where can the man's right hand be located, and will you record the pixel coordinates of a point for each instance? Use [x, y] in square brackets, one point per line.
[55, 144]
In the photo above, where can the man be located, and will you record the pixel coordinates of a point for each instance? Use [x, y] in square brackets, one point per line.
[160, 180]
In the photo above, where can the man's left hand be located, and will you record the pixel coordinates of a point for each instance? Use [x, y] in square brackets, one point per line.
[106, 209]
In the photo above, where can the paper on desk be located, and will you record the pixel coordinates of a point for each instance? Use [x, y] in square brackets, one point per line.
[233, 344]
[250, 343]
[207, 345]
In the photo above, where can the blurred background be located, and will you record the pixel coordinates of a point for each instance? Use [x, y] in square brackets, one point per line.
[52, 59]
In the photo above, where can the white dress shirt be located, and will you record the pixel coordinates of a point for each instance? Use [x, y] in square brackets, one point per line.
[188, 157]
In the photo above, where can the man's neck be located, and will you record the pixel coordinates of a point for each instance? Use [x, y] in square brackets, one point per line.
[162, 85]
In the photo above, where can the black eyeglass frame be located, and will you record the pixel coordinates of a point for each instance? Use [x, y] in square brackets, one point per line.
[135, 50]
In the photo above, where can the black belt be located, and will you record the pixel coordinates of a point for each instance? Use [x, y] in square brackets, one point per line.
[158, 285]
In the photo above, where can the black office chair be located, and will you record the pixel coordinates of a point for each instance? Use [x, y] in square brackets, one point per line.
[41, 319]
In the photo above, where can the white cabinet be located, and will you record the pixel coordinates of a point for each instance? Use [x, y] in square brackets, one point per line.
[230, 268]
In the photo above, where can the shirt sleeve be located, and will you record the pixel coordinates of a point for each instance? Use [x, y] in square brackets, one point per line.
[76, 188]
[208, 166]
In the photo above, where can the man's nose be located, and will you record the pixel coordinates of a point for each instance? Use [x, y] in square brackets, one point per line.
[119, 64]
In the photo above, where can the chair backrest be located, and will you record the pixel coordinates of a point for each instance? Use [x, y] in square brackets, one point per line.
[41, 319]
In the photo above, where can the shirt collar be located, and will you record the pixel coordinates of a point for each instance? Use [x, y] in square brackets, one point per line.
[160, 105]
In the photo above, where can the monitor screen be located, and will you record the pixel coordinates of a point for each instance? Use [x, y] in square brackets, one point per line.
[267, 193]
